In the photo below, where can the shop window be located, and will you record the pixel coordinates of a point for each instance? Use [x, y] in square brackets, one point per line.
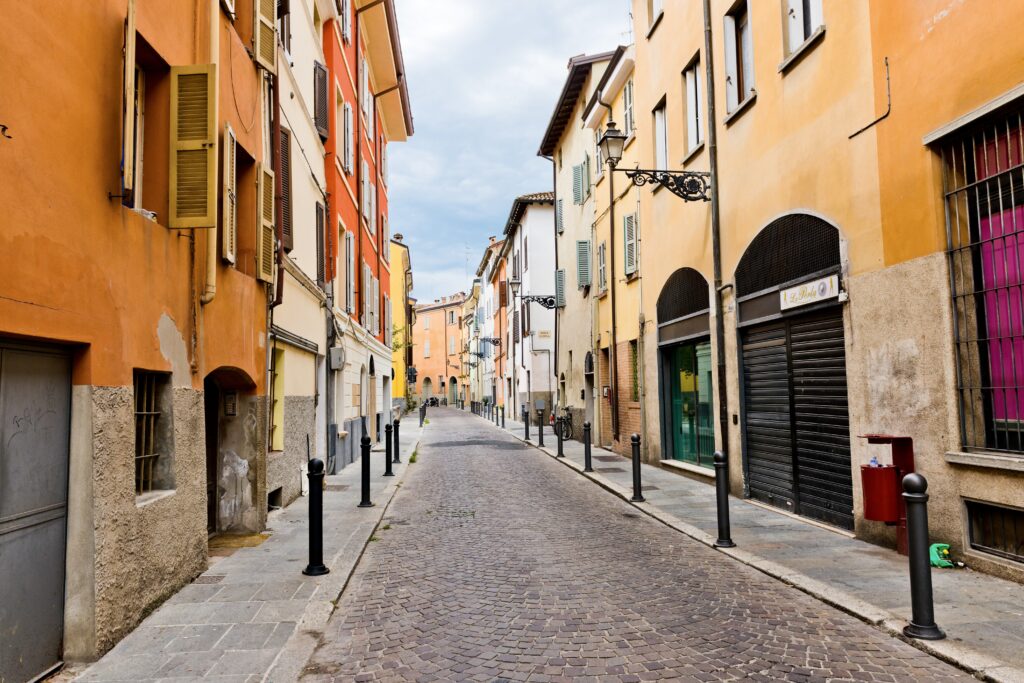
[984, 189]
[996, 530]
[154, 439]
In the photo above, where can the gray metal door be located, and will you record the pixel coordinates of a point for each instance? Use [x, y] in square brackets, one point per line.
[35, 397]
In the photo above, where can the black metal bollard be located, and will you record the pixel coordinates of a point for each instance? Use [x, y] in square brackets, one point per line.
[922, 622]
[526, 423]
[634, 442]
[540, 428]
[588, 465]
[503, 417]
[495, 415]
[722, 498]
[397, 449]
[316, 519]
[423, 413]
[387, 451]
[558, 437]
[364, 445]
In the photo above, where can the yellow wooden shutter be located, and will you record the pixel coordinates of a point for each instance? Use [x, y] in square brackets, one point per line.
[229, 213]
[265, 34]
[265, 238]
[193, 176]
[128, 127]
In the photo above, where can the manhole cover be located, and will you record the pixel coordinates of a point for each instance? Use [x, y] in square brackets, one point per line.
[609, 469]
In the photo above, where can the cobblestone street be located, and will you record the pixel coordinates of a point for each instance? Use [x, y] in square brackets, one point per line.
[496, 563]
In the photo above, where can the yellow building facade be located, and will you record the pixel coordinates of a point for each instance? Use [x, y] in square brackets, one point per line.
[403, 317]
[841, 315]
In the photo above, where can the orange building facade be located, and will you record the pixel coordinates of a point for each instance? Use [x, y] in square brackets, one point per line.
[437, 349]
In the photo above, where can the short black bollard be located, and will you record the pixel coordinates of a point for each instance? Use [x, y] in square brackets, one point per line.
[423, 413]
[364, 446]
[526, 424]
[634, 442]
[540, 428]
[398, 449]
[558, 437]
[722, 498]
[922, 621]
[387, 451]
[316, 519]
[503, 417]
[495, 415]
[588, 465]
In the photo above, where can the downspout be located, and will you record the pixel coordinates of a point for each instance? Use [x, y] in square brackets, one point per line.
[716, 237]
[640, 365]
[275, 155]
[554, 193]
[610, 266]
[211, 235]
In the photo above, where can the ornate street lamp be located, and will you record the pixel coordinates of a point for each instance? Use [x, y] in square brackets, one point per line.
[545, 300]
[689, 185]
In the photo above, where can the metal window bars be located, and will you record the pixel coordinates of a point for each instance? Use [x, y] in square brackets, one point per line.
[996, 530]
[983, 184]
[147, 414]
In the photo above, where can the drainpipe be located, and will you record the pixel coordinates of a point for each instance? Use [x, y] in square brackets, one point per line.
[554, 186]
[716, 236]
[211, 235]
[275, 155]
[610, 265]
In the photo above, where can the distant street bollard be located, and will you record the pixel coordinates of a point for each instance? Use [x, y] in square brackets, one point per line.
[364, 446]
[922, 621]
[316, 519]
[540, 428]
[722, 498]
[587, 464]
[558, 437]
[637, 491]
[526, 423]
[398, 449]
[503, 417]
[423, 413]
[387, 451]
[495, 415]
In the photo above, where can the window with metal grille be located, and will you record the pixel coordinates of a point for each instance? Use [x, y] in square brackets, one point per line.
[685, 292]
[634, 370]
[983, 185]
[791, 247]
[153, 442]
[996, 530]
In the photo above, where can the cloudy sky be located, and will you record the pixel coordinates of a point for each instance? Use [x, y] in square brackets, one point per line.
[483, 79]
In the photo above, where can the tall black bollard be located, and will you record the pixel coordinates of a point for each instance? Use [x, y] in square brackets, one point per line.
[558, 437]
[540, 428]
[526, 423]
[495, 414]
[922, 622]
[316, 519]
[387, 451]
[364, 445]
[503, 417]
[588, 465]
[398, 448]
[423, 413]
[722, 498]
[634, 442]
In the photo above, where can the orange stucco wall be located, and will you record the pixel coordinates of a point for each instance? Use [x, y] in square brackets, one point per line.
[438, 330]
[89, 271]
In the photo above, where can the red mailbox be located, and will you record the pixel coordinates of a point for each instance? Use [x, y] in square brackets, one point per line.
[883, 486]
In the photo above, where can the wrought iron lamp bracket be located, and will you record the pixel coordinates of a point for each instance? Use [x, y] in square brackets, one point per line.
[691, 186]
[491, 340]
[544, 300]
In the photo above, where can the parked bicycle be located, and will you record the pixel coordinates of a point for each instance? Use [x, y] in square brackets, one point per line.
[566, 423]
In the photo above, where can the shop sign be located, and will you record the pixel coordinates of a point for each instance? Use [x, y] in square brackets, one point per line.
[810, 292]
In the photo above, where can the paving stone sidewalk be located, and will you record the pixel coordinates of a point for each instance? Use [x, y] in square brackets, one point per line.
[983, 616]
[253, 616]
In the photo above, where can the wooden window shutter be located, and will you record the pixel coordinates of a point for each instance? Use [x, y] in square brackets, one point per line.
[583, 263]
[128, 123]
[365, 198]
[602, 269]
[229, 214]
[193, 173]
[503, 293]
[560, 217]
[265, 35]
[331, 267]
[287, 237]
[320, 100]
[515, 325]
[586, 175]
[266, 241]
[577, 184]
[346, 21]
[560, 288]
[376, 306]
[349, 146]
[629, 240]
[350, 273]
[321, 261]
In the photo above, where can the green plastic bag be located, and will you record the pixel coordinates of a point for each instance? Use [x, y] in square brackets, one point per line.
[939, 555]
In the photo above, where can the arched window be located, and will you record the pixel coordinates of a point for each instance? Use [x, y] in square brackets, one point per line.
[789, 248]
[683, 307]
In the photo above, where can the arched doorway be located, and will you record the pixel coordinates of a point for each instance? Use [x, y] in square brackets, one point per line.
[453, 390]
[428, 388]
[685, 386]
[795, 412]
[588, 388]
[373, 421]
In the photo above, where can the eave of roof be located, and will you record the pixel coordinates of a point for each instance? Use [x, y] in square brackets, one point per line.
[579, 69]
[520, 204]
[608, 71]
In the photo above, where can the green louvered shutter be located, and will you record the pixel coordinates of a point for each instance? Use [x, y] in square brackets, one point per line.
[560, 288]
[583, 263]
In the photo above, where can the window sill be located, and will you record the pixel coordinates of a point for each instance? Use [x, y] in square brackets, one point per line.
[740, 108]
[689, 467]
[804, 48]
[629, 140]
[655, 23]
[692, 153]
[152, 497]
[1008, 463]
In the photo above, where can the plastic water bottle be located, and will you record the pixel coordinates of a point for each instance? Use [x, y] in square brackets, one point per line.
[874, 462]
